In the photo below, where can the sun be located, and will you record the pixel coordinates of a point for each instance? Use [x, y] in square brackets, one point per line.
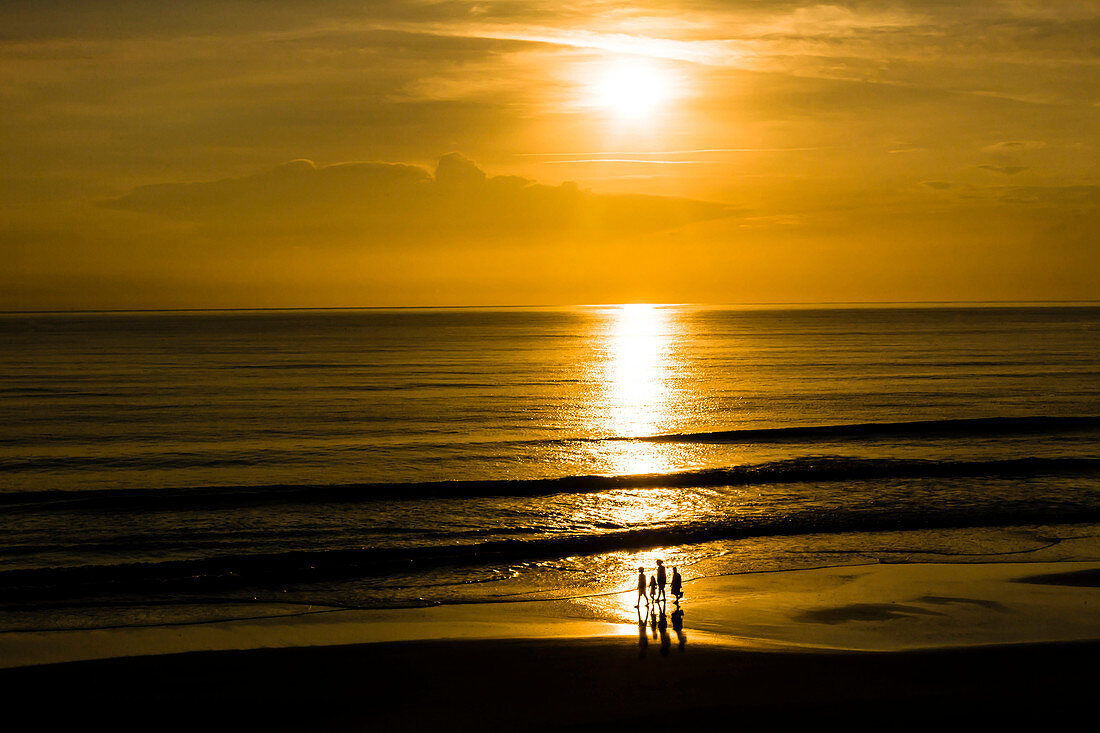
[631, 89]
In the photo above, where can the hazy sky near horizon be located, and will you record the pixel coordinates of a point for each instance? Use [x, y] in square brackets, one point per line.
[231, 153]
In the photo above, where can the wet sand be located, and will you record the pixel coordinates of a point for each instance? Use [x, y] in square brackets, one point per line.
[861, 647]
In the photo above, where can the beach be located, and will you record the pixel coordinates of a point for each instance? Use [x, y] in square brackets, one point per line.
[902, 643]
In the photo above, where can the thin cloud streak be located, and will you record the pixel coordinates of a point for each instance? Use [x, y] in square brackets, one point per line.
[634, 161]
[725, 52]
[674, 152]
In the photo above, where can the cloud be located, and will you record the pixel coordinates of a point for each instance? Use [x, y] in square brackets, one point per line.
[394, 200]
[1014, 146]
[1008, 170]
[1067, 200]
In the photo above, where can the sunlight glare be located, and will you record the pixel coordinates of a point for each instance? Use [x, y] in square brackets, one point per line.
[638, 346]
[636, 368]
[631, 89]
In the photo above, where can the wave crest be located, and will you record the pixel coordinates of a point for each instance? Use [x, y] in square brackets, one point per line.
[795, 470]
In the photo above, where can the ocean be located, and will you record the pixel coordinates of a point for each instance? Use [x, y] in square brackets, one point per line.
[183, 467]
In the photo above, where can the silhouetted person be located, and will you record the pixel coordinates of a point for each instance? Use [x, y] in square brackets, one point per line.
[641, 587]
[676, 583]
[678, 627]
[661, 579]
[666, 642]
[653, 588]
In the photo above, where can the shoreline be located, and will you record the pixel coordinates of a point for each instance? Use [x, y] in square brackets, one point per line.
[870, 607]
[863, 644]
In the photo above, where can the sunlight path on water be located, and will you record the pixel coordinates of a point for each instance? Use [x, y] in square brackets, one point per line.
[634, 373]
[636, 367]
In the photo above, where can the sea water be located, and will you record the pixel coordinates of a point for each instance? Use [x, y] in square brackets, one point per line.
[178, 465]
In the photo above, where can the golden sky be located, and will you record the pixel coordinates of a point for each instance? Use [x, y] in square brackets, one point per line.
[339, 153]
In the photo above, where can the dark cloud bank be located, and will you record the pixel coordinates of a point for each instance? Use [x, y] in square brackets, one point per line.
[397, 200]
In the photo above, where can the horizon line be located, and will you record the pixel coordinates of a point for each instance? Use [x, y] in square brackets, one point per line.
[229, 309]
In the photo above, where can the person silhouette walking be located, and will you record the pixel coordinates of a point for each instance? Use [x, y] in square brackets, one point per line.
[641, 587]
[661, 579]
[677, 581]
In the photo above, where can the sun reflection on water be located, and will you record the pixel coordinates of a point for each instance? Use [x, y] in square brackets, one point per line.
[636, 401]
[635, 375]
[638, 346]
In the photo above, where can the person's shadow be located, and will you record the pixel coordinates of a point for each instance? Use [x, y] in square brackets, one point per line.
[643, 632]
[678, 627]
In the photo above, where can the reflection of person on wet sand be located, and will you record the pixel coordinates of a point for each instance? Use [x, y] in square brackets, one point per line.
[641, 587]
[678, 627]
[643, 637]
[676, 583]
[666, 642]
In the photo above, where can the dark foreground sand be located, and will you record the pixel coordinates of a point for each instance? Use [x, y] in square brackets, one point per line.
[564, 683]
